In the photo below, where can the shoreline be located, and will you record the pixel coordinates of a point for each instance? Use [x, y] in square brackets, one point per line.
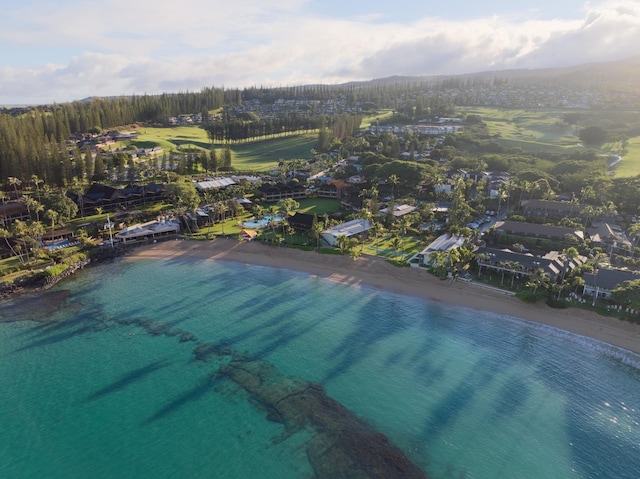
[416, 282]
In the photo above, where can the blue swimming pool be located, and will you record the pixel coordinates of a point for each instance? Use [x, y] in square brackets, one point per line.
[262, 223]
[61, 244]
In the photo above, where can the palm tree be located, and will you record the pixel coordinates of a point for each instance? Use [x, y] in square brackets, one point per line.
[316, 231]
[222, 209]
[53, 216]
[538, 278]
[481, 259]
[634, 232]
[37, 182]
[15, 182]
[343, 243]
[568, 254]
[438, 263]
[396, 243]
[354, 251]
[5, 234]
[394, 180]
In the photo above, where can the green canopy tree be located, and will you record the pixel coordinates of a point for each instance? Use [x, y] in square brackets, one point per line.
[627, 294]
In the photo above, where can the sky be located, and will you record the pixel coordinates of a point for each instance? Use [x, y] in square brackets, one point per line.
[65, 50]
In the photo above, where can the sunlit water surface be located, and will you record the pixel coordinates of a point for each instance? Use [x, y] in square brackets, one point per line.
[108, 386]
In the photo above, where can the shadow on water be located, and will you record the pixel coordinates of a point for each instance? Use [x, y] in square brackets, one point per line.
[456, 401]
[603, 436]
[513, 395]
[127, 379]
[71, 330]
[360, 343]
[206, 385]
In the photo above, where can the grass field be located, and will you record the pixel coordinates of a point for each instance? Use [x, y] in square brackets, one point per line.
[630, 164]
[265, 155]
[370, 120]
[262, 155]
[531, 130]
[170, 138]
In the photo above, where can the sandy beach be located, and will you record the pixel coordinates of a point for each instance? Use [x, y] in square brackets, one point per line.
[377, 273]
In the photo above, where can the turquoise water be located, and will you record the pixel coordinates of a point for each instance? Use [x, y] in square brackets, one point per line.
[261, 223]
[104, 382]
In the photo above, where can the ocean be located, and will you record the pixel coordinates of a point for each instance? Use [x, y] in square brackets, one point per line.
[187, 368]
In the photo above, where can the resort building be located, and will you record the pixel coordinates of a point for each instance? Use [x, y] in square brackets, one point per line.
[552, 263]
[350, 229]
[600, 284]
[280, 191]
[532, 230]
[147, 231]
[551, 209]
[215, 183]
[14, 210]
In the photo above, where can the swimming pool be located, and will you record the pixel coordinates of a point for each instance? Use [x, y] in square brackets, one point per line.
[61, 244]
[262, 223]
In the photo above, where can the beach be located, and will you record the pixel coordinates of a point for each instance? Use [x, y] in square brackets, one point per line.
[378, 273]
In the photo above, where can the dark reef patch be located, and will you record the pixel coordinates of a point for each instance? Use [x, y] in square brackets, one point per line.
[343, 446]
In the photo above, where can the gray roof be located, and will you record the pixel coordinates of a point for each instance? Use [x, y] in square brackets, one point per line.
[532, 229]
[608, 278]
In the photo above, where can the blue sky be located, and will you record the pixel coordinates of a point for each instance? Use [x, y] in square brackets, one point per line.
[63, 50]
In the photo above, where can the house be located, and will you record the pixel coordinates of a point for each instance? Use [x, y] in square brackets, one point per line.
[350, 229]
[600, 284]
[301, 221]
[248, 235]
[443, 242]
[399, 210]
[12, 211]
[608, 237]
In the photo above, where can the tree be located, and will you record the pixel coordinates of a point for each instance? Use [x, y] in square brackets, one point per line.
[183, 194]
[568, 255]
[396, 243]
[64, 206]
[5, 234]
[394, 180]
[316, 231]
[593, 135]
[354, 250]
[538, 278]
[15, 182]
[627, 294]
[343, 243]
[53, 216]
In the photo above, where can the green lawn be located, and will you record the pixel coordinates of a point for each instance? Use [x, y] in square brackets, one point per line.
[319, 206]
[630, 164]
[170, 138]
[260, 155]
[531, 130]
[367, 121]
[264, 155]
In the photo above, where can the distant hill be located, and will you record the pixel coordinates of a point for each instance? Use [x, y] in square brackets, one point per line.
[622, 72]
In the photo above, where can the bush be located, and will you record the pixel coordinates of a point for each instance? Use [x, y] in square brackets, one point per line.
[556, 303]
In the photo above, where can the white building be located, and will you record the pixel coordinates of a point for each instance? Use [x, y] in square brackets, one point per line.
[349, 229]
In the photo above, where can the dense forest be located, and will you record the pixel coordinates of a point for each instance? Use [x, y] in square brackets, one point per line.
[37, 140]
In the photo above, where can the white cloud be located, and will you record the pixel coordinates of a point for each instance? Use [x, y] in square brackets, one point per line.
[122, 47]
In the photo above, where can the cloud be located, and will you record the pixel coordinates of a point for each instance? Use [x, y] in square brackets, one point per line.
[121, 47]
